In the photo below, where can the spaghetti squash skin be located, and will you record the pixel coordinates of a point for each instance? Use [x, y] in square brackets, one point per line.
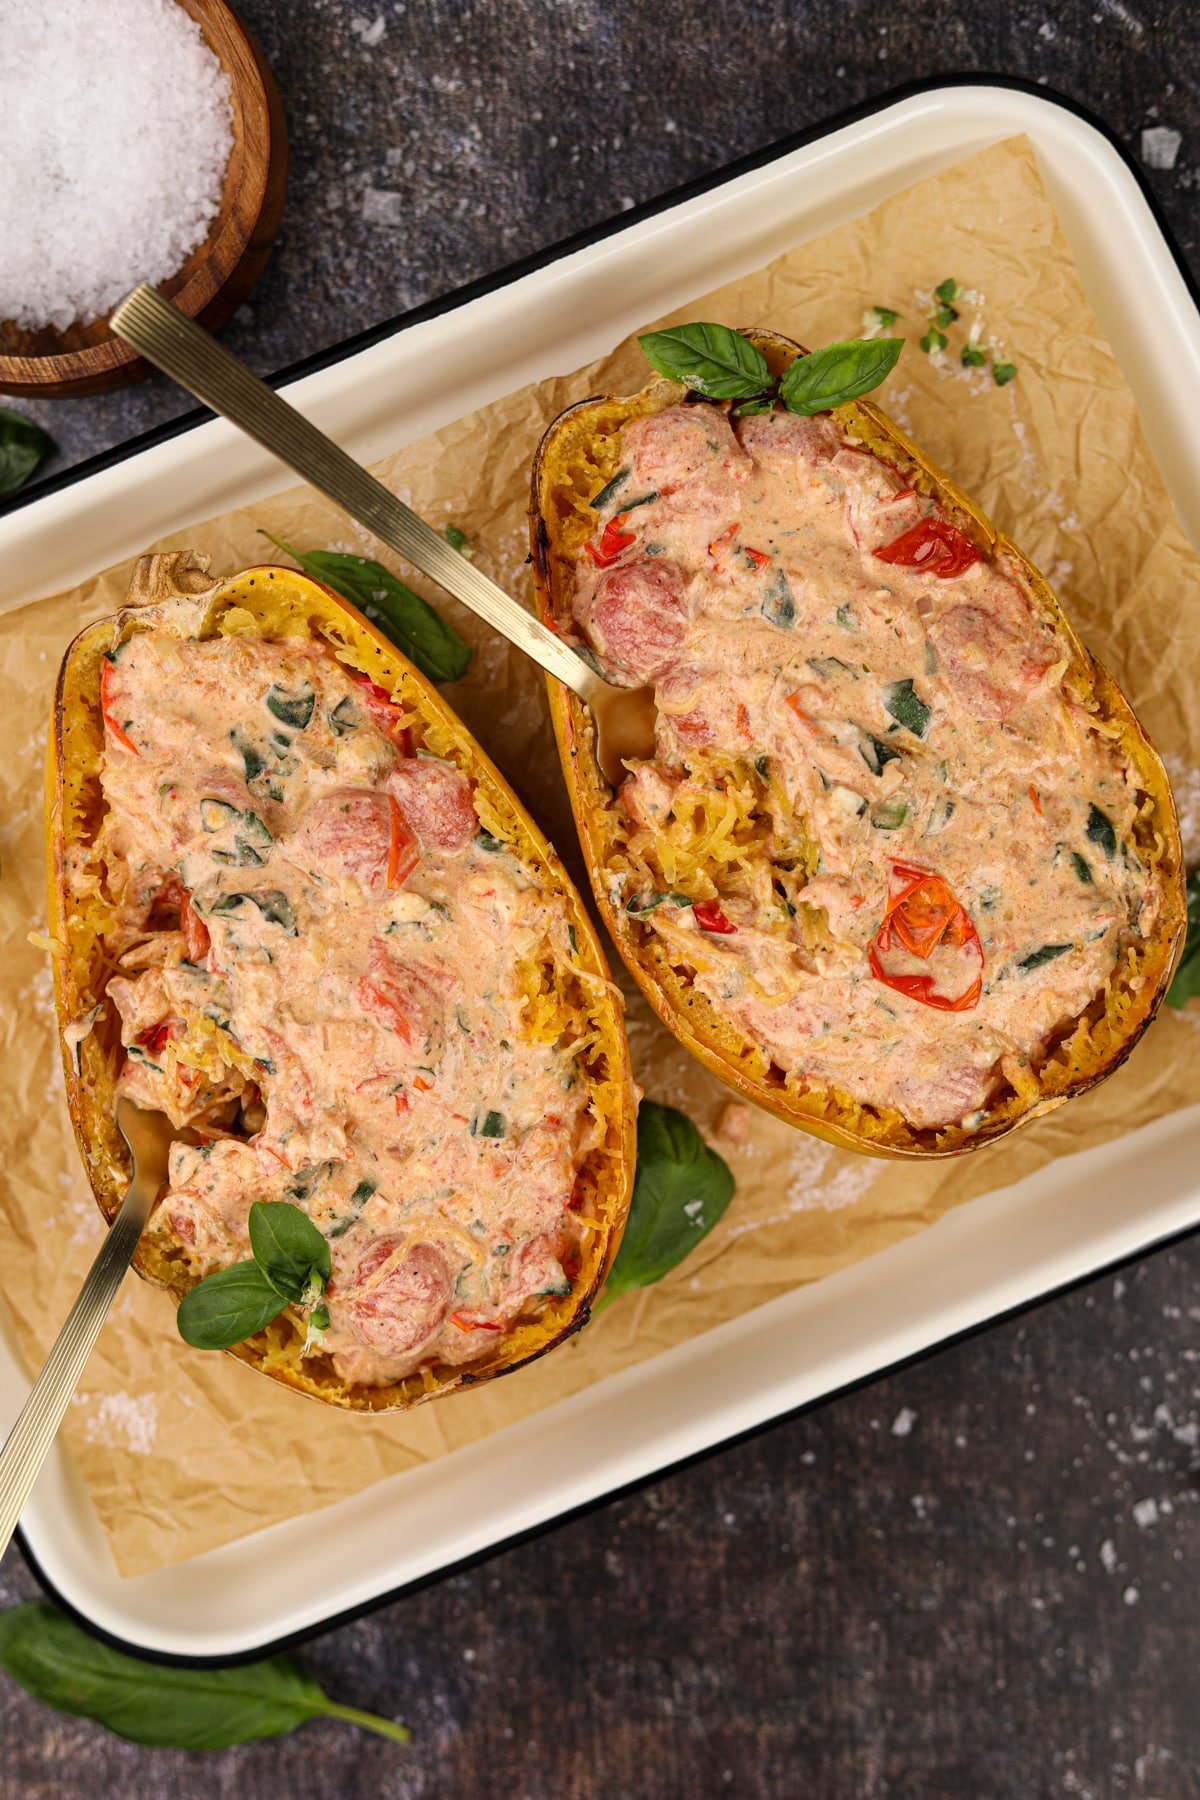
[580, 453]
[173, 597]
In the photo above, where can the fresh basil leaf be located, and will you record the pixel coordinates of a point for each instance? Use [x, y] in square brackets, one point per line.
[681, 1191]
[147, 1703]
[933, 340]
[886, 316]
[24, 447]
[710, 359]
[947, 290]
[972, 357]
[227, 1307]
[753, 409]
[841, 372]
[402, 615]
[1003, 373]
[458, 540]
[288, 1248]
[1186, 983]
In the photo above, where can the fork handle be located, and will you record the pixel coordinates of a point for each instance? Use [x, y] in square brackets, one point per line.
[193, 357]
[31, 1437]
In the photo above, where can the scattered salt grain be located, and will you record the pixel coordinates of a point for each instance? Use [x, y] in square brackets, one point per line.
[125, 1421]
[115, 132]
[1160, 146]
[903, 1422]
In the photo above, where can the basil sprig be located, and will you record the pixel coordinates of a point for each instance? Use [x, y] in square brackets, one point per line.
[402, 615]
[681, 1191]
[291, 1268]
[840, 372]
[721, 364]
[178, 1709]
[24, 447]
[1186, 984]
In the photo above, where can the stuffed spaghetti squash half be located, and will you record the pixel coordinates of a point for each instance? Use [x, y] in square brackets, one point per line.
[904, 868]
[300, 912]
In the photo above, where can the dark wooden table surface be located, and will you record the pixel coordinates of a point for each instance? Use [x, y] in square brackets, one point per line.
[975, 1578]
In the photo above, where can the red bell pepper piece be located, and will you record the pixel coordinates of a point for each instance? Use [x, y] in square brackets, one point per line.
[934, 546]
[123, 738]
[923, 913]
[614, 540]
[403, 855]
[709, 917]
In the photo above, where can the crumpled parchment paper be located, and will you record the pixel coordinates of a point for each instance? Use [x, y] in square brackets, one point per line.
[182, 1451]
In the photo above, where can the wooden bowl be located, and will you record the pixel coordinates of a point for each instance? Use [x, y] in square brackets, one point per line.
[219, 273]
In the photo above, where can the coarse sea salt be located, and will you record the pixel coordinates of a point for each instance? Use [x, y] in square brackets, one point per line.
[115, 133]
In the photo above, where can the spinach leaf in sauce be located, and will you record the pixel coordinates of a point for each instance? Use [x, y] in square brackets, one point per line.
[606, 493]
[1100, 831]
[273, 904]
[778, 607]
[291, 709]
[358, 1200]
[1046, 954]
[906, 707]
[876, 754]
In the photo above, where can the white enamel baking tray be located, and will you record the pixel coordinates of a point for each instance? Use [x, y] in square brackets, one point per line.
[986, 1258]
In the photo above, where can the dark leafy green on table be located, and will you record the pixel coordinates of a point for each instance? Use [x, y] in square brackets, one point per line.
[402, 615]
[1186, 984]
[681, 1190]
[180, 1709]
[721, 364]
[24, 447]
[291, 1267]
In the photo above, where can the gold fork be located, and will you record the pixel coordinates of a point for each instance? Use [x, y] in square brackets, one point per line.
[149, 1136]
[624, 717]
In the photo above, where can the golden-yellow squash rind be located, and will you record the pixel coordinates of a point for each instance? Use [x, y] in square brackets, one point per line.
[174, 594]
[579, 452]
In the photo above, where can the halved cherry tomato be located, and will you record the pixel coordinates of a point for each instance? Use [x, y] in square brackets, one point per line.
[123, 738]
[923, 913]
[613, 540]
[934, 546]
[709, 917]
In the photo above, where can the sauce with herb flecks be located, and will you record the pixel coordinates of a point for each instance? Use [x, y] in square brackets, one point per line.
[322, 971]
[881, 832]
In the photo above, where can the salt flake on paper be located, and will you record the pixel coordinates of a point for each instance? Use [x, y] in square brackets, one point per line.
[124, 1421]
